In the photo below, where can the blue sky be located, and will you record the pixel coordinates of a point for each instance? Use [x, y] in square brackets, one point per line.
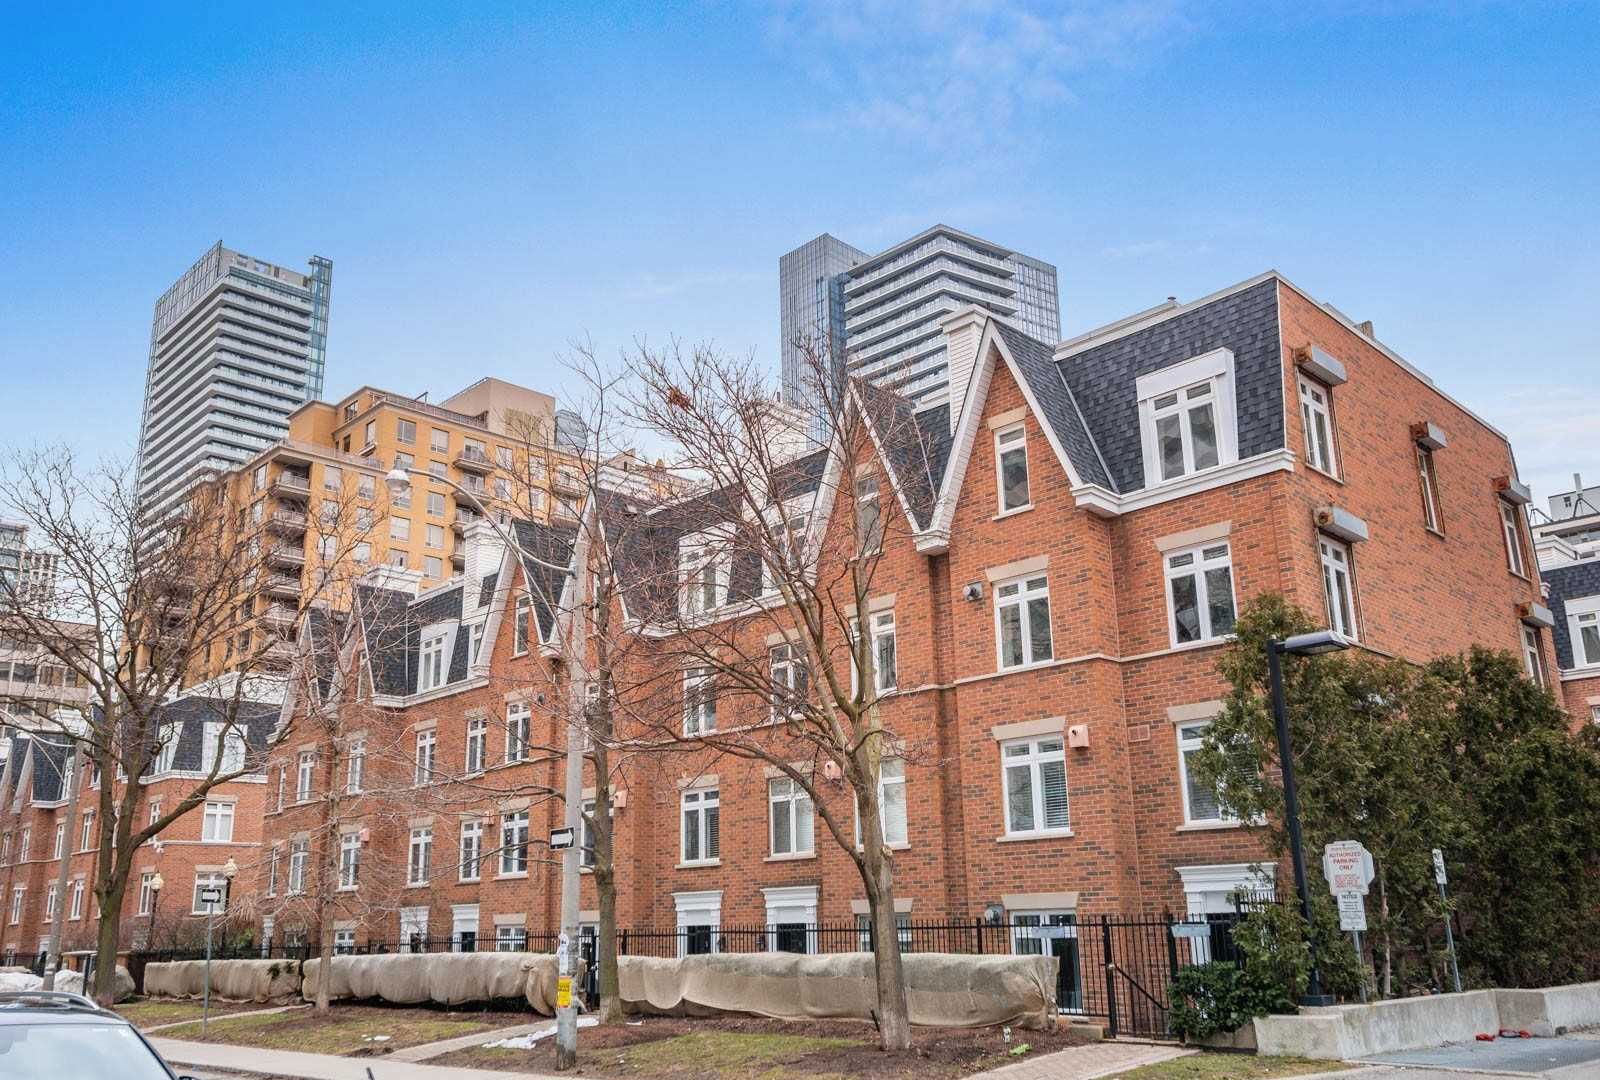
[494, 182]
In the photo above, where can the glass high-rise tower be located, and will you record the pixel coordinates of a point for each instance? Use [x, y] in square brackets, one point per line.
[877, 316]
[236, 345]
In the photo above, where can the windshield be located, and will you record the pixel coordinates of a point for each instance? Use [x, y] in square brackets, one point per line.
[47, 1051]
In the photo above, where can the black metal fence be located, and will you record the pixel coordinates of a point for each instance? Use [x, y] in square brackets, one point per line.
[1113, 969]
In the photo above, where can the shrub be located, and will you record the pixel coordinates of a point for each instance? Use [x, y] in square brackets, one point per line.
[1218, 996]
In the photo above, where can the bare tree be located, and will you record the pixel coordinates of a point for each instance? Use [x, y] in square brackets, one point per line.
[161, 605]
[780, 545]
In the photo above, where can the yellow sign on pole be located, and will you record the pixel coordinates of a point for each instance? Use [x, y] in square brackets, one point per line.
[564, 992]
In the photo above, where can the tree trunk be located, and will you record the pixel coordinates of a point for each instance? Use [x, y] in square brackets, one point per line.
[325, 955]
[894, 1020]
[105, 961]
[605, 881]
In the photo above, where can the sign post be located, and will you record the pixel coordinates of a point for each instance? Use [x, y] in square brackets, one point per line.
[210, 896]
[1348, 866]
[1449, 935]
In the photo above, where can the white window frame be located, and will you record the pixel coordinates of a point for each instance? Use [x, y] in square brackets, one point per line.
[1428, 479]
[514, 843]
[299, 856]
[419, 855]
[273, 858]
[147, 895]
[790, 523]
[75, 899]
[783, 790]
[423, 757]
[510, 937]
[868, 493]
[1215, 369]
[50, 895]
[471, 867]
[1533, 656]
[477, 745]
[18, 895]
[699, 707]
[305, 776]
[1511, 530]
[87, 832]
[1581, 614]
[349, 861]
[1191, 736]
[1036, 752]
[217, 823]
[697, 801]
[519, 729]
[705, 572]
[787, 663]
[1198, 563]
[1321, 446]
[1342, 617]
[882, 628]
[433, 664]
[59, 842]
[1028, 588]
[522, 627]
[891, 776]
[1011, 439]
[355, 767]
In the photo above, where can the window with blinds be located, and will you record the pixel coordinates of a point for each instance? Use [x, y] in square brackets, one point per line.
[1035, 785]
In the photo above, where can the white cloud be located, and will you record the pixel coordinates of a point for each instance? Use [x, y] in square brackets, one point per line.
[969, 71]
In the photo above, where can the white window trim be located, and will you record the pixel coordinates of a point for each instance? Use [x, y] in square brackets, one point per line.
[703, 798]
[693, 708]
[1428, 481]
[1189, 735]
[1002, 510]
[883, 786]
[1533, 655]
[524, 712]
[477, 731]
[780, 519]
[1330, 570]
[1511, 531]
[1215, 367]
[698, 554]
[508, 850]
[470, 869]
[423, 764]
[445, 634]
[698, 909]
[1197, 570]
[1309, 409]
[785, 900]
[880, 624]
[1033, 760]
[1024, 623]
[1575, 609]
[421, 839]
[794, 798]
[350, 842]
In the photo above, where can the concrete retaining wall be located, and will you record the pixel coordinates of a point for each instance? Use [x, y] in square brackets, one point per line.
[1353, 1032]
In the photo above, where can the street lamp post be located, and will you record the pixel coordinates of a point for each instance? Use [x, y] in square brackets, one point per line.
[1312, 644]
[397, 481]
[229, 869]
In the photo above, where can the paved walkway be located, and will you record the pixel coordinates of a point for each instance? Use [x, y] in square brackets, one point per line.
[464, 1042]
[1086, 1062]
[252, 1059]
[221, 1016]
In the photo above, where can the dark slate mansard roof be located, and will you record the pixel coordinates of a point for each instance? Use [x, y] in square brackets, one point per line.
[550, 545]
[1572, 582]
[256, 719]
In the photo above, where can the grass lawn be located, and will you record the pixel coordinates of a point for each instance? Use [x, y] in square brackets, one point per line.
[345, 1029]
[1229, 1067]
[728, 1048]
[148, 1012]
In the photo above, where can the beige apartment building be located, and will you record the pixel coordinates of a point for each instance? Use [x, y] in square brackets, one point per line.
[318, 501]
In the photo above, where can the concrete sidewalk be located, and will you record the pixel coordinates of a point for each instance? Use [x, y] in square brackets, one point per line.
[1086, 1062]
[251, 1059]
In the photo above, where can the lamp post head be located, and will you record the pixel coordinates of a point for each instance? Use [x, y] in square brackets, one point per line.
[156, 882]
[230, 869]
[1315, 643]
[396, 482]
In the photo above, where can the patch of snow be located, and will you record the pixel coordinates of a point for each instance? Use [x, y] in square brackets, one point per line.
[526, 1042]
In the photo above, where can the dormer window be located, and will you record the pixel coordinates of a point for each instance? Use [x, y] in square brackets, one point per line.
[1186, 415]
[1583, 624]
[1011, 467]
[704, 571]
[431, 665]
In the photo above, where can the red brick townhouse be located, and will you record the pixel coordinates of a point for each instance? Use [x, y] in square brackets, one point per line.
[188, 855]
[1076, 530]
[1572, 585]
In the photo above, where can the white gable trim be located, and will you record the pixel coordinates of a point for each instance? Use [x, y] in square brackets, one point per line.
[935, 539]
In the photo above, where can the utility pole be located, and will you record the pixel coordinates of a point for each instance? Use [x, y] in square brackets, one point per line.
[70, 782]
[578, 629]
